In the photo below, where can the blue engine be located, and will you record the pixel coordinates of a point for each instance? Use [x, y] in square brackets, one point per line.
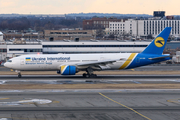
[68, 70]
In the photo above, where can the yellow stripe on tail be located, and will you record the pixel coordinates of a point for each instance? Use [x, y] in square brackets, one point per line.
[128, 61]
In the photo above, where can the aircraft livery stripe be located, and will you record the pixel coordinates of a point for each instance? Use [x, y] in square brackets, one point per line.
[63, 68]
[128, 61]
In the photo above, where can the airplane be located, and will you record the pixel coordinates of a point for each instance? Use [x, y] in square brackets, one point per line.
[70, 64]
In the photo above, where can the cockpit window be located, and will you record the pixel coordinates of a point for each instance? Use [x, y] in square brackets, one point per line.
[9, 61]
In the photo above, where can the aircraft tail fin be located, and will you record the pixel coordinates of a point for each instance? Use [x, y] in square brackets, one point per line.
[158, 44]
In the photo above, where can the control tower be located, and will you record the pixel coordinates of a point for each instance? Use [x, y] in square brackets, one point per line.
[159, 14]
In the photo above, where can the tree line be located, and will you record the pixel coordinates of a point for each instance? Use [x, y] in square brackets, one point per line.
[38, 24]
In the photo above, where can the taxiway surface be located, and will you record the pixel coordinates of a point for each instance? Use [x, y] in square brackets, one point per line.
[164, 67]
[85, 105]
[90, 104]
[100, 79]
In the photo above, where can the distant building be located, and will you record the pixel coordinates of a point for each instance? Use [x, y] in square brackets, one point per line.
[159, 14]
[123, 27]
[98, 23]
[3, 48]
[72, 47]
[154, 27]
[170, 17]
[19, 35]
[23, 49]
[143, 28]
[3, 51]
[1, 36]
[69, 34]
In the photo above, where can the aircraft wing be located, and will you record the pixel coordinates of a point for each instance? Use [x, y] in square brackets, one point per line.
[103, 62]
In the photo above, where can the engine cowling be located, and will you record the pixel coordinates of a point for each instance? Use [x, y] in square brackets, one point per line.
[68, 70]
[58, 72]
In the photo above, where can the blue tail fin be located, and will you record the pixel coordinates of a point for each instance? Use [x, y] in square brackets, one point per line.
[158, 44]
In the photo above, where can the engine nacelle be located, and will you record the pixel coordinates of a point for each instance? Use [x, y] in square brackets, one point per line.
[68, 70]
[58, 72]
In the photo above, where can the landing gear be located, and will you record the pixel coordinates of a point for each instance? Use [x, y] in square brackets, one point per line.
[19, 73]
[89, 73]
[89, 76]
[84, 75]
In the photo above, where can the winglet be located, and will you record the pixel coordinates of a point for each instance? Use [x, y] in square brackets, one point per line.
[158, 44]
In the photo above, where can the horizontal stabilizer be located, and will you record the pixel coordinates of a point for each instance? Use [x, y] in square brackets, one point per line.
[157, 58]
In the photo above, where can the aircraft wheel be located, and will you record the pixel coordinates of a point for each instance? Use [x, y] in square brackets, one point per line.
[84, 75]
[19, 76]
[93, 75]
[87, 75]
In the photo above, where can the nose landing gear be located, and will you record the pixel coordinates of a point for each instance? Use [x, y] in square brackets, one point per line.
[19, 73]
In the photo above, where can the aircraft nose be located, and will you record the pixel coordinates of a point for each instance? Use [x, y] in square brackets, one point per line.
[5, 64]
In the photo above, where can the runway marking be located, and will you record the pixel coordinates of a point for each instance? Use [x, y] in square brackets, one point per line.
[4, 98]
[125, 106]
[55, 102]
[174, 101]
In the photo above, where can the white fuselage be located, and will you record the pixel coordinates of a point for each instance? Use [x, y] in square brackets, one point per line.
[54, 62]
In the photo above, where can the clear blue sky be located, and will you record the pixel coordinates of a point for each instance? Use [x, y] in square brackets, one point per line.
[99, 6]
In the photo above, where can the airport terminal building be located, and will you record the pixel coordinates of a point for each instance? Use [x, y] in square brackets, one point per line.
[10, 49]
[92, 47]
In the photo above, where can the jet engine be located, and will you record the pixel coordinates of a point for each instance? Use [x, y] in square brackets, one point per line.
[68, 70]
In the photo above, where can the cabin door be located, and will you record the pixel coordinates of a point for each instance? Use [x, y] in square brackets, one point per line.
[22, 61]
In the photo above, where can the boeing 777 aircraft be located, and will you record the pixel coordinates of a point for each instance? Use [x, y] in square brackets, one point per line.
[70, 64]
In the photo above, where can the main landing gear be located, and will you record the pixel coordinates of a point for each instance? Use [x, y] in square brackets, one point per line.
[89, 76]
[89, 73]
[19, 73]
